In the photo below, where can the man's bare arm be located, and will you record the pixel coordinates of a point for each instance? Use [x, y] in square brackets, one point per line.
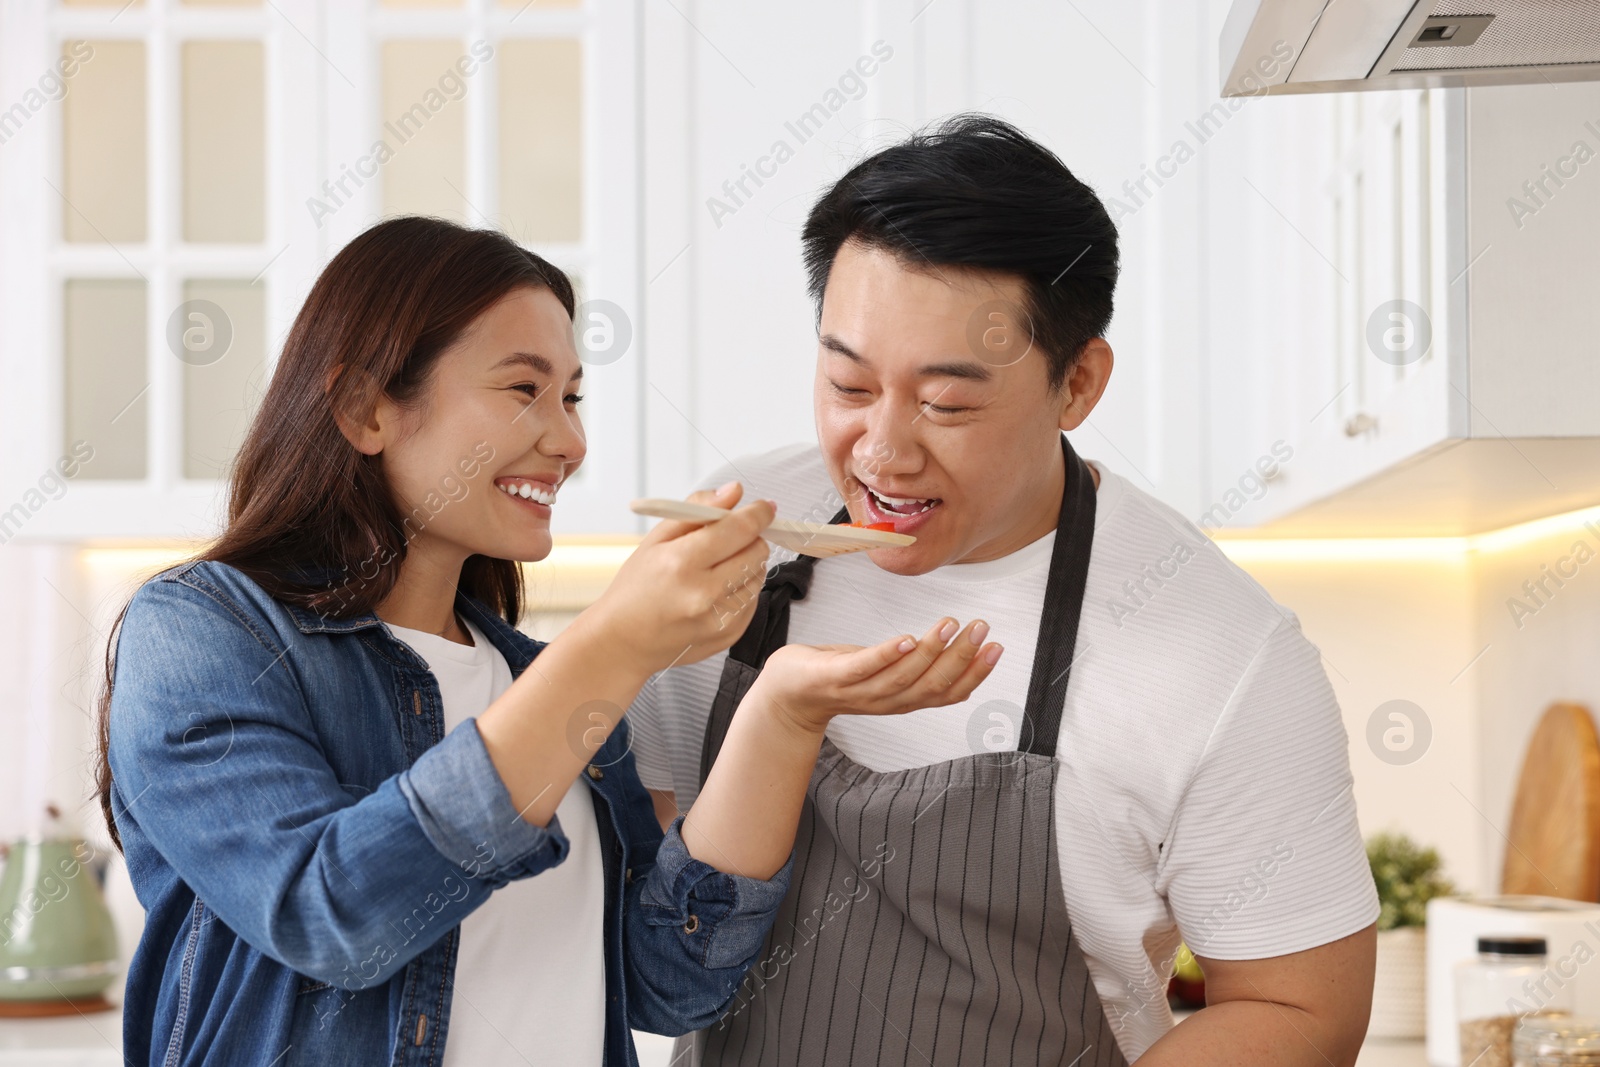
[1305, 1008]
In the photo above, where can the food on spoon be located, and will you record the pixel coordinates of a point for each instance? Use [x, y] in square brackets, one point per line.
[887, 527]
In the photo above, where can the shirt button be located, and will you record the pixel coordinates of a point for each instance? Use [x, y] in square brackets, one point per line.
[628, 875]
[596, 773]
[692, 925]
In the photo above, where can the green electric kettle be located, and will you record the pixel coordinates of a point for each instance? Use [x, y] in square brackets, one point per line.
[58, 948]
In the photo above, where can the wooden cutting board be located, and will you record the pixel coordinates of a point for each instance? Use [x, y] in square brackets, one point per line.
[1553, 843]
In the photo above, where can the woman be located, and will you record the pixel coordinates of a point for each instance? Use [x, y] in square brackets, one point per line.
[346, 801]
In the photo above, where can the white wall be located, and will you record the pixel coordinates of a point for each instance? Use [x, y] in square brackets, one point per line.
[1438, 631]
[45, 646]
[1554, 655]
[1401, 629]
[51, 652]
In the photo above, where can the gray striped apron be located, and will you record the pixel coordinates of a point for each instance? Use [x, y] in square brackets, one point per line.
[925, 922]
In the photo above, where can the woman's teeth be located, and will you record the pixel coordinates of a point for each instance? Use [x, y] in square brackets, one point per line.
[527, 492]
[907, 506]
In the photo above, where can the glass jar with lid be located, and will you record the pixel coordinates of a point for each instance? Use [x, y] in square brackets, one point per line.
[1509, 980]
[1556, 1039]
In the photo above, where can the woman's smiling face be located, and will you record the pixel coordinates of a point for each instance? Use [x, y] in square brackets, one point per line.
[478, 465]
[934, 414]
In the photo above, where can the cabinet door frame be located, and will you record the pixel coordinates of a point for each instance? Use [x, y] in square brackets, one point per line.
[1401, 149]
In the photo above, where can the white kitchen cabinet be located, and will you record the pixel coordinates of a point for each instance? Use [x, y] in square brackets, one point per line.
[1470, 406]
[225, 154]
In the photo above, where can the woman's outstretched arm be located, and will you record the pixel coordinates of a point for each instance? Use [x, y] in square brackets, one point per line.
[679, 598]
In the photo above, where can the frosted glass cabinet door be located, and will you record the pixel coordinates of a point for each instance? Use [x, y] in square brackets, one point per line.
[224, 141]
[224, 375]
[103, 144]
[541, 139]
[424, 125]
[105, 388]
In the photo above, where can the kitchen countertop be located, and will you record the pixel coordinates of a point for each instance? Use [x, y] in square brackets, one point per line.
[96, 1041]
[1378, 1053]
[93, 1040]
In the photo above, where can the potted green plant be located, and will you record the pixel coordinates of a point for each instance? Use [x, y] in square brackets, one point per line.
[1407, 876]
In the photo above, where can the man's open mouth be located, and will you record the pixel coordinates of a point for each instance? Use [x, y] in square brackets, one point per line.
[899, 505]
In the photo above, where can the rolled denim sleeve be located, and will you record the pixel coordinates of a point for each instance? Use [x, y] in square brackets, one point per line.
[219, 765]
[463, 808]
[693, 931]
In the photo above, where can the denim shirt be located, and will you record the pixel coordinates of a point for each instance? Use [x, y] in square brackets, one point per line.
[306, 840]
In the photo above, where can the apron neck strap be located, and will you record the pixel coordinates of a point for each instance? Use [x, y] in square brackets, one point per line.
[769, 626]
[1063, 605]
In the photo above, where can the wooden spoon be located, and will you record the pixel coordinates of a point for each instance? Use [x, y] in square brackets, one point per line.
[817, 539]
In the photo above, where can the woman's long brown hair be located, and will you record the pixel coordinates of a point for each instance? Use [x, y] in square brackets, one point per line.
[307, 513]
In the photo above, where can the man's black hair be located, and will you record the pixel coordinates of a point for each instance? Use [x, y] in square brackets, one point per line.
[976, 192]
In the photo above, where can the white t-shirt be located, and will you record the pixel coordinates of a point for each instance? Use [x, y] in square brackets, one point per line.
[1204, 791]
[530, 981]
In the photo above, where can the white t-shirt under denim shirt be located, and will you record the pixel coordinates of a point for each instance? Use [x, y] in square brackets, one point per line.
[1204, 789]
[530, 980]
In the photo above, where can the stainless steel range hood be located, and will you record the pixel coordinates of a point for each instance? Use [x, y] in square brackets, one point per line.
[1275, 47]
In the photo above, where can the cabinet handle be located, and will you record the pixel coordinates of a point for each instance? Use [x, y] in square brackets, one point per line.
[1360, 423]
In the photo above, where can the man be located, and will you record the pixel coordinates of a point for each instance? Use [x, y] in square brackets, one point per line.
[1158, 756]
